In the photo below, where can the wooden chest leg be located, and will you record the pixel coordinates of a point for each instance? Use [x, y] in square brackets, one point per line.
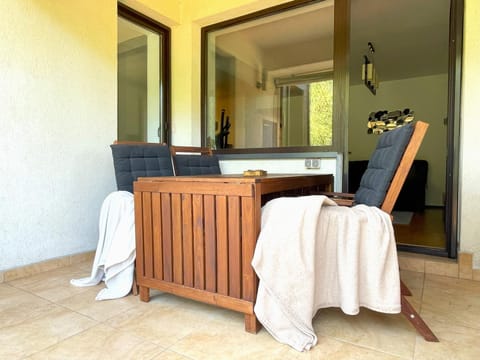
[252, 325]
[144, 293]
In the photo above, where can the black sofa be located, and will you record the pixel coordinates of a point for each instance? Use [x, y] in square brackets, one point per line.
[412, 195]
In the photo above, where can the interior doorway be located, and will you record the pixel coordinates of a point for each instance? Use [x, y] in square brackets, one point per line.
[420, 76]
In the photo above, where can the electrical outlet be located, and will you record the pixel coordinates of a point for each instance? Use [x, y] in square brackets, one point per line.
[312, 163]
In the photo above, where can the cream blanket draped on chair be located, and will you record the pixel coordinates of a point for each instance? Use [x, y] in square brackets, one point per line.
[312, 254]
[115, 255]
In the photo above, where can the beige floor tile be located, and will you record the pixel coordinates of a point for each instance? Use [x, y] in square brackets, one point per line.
[389, 333]
[411, 263]
[229, 341]
[101, 342]
[465, 270]
[161, 324]
[456, 343]
[85, 304]
[451, 284]
[11, 296]
[44, 317]
[40, 333]
[52, 285]
[331, 349]
[414, 281]
[170, 355]
[17, 306]
[451, 301]
[445, 268]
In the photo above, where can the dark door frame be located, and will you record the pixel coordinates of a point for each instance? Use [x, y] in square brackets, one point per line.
[453, 124]
[341, 95]
[453, 137]
[165, 63]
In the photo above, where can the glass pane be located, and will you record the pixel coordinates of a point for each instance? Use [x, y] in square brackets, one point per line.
[139, 83]
[321, 113]
[258, 91]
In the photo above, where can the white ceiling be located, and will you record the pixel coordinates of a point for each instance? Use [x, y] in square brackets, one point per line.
[410, 37]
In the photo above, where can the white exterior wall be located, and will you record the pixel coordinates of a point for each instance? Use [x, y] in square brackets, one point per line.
[58, 115]
[469, 137]
[57, 118]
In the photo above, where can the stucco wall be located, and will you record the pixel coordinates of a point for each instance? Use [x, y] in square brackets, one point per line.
[57, 117]
[470, 148]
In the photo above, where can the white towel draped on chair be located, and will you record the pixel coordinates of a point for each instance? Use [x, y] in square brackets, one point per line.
[115, 254]
[312, 254]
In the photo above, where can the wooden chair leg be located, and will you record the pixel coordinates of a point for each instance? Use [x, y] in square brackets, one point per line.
[417, 321]
[134, 285]
[144, 294]
[252, 325]
[404, 290]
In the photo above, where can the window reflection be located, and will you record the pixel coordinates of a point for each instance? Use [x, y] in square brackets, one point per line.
[269, 80]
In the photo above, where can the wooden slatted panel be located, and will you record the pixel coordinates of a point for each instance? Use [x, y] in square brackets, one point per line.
[222, 245]
[139, 260]
[194, 187]
[210, 244]
[198, 242]
[147, 233]
[157, 236]
[167, 237]
[249, 227]
[177, 238]
[187, 232]
[234, 247]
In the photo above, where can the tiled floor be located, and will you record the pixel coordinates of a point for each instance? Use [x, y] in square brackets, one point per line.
[44, 317]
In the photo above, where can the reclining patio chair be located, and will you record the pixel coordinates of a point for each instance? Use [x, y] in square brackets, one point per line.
[380, 186]
[132, 160]
[191, 160]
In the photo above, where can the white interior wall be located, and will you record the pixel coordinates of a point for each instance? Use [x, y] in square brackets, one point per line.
[58, 103]
[427, 97]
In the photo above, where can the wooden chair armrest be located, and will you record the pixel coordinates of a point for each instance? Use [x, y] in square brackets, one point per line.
[336, 194]
[342, 199]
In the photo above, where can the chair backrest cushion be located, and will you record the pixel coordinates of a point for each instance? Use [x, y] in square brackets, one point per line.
[189, 164]
[140, 160]
[382, 166]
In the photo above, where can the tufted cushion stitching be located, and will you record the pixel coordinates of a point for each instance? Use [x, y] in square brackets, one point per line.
[382, 166]
[196, 164]
[132, 161]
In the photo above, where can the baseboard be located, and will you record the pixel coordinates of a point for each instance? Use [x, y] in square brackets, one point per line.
[462, 268]
[47, 265]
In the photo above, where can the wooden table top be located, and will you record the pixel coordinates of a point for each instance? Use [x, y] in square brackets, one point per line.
[237, 178]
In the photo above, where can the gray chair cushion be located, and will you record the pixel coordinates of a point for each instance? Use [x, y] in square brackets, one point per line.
[382, 166]
[196, 164]
[140, 160]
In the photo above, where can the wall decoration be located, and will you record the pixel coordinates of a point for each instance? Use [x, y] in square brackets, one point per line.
[384, 120]
[369, 73]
